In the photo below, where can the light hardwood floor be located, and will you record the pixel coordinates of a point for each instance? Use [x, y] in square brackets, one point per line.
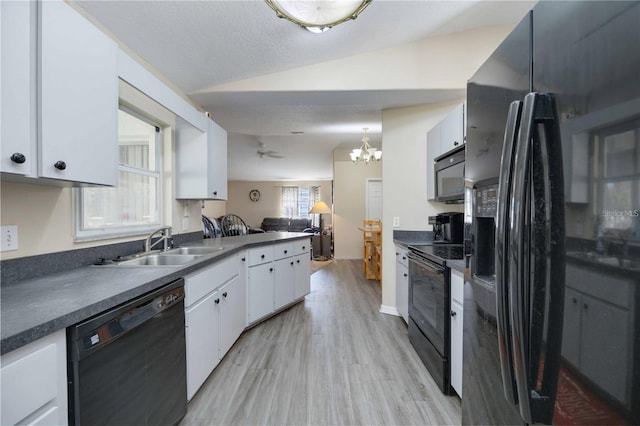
[332, 360]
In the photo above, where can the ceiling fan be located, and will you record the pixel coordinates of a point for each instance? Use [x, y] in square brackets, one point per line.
[264, 152]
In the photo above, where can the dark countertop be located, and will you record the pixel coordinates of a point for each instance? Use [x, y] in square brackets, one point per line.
[34, 308]
[407, 238]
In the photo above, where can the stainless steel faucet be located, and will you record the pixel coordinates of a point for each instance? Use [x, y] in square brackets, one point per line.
[166, 238]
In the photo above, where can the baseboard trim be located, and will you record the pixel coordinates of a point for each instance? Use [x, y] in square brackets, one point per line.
[389, 310]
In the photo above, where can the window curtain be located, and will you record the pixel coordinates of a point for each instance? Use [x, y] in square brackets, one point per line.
[289, 205]
[315, 197]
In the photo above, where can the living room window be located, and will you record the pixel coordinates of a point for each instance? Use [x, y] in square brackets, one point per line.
[134, 206]
[296, 201]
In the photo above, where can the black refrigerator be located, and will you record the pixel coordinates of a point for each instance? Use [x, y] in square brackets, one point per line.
[552, 221]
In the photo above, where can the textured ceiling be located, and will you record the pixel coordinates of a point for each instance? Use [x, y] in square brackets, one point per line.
[201, 45]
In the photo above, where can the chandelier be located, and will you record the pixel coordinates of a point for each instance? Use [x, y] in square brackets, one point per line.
[365, 153]
[318, 16]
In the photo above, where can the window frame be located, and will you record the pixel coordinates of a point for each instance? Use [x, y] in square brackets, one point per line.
[119, 231]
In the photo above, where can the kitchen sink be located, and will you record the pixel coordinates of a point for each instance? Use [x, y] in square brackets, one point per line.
[160, 260]
[196, 250]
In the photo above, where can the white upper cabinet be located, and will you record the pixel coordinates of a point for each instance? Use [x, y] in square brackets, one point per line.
[59, 95]
[452, 130]
[201, 162]
[18, 88]
[78, 98]
[448, 134]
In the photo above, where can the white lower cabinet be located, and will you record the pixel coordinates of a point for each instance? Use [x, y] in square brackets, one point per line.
[214, 318]
[201, 322]
[402, 283]
[33, 382]
[278, 275]
[261, 289]
[457, 322]
[302, 274]
[231, 320]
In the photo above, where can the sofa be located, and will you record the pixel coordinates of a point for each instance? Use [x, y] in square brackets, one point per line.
[273, 224]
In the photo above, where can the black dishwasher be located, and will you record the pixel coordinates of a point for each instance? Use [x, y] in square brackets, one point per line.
[127, 366]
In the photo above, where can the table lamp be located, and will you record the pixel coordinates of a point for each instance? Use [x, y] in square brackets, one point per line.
[320, 208]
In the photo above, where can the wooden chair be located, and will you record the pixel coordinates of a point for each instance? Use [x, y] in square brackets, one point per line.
[372, 249]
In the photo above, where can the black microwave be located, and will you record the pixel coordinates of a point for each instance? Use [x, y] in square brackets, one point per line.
[449, 176]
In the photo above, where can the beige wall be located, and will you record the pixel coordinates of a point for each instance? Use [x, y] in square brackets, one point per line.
[239, 203]
[350, 202]
[404, 186]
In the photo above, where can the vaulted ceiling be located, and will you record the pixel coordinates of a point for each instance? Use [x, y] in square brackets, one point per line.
[266, 80]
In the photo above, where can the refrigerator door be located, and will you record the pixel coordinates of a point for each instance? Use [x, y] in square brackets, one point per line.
[587, 55]
[504, 78]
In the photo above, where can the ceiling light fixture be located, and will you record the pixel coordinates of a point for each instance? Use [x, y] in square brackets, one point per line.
[365, 153]
[318, 16]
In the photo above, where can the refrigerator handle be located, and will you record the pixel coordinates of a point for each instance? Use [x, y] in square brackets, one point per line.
[537, 218]
[501, 262]
[518, 279]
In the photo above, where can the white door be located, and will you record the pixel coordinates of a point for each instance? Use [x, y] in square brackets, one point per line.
[374, 199]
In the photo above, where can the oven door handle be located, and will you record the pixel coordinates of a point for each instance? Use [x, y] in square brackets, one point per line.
[426, 263]
[501, 244]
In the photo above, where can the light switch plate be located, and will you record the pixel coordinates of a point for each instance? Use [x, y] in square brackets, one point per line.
[9, 237]
[396, 222]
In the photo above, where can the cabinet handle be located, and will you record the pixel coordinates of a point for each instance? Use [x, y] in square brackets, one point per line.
[60, 165]
[397, 254]
[270, 269]
[292, 262]
[18, 158]
[404, 257]
[244, 259]
[304, 247]
[453, 314]
[455, 143]
[586, 306]
[575, 300]
[262, 256]
[224, 294]
[215, 192]
[286, 251]
[406, 275]
[217, 301]
[298, 260]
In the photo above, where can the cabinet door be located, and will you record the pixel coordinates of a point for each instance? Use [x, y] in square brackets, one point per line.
[33, 379]
[284, 285]
[452, 133]
[78, 98]
[260, 289]
[571, 327]
[605, 353]
[217, 167]
[456, 346]
[302, 276]
[201, 321]
[433, 149]
[18, 136]
[232, 315]
[402, 291]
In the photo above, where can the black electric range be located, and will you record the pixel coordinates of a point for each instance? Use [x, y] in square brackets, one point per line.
[439, 253]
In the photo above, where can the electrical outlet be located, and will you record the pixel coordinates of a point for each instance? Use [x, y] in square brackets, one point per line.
[9, 237]
[396, 222]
